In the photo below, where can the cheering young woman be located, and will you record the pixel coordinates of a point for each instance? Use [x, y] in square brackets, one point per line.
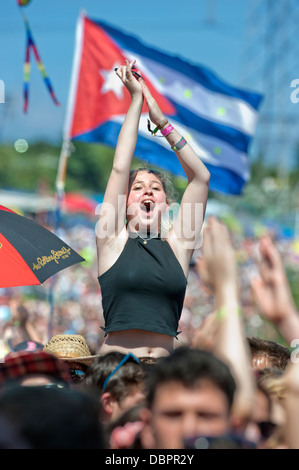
[142, 273]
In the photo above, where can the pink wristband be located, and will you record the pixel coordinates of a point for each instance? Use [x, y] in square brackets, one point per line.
[167, 130]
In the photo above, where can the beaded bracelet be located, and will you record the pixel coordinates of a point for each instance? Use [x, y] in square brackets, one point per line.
[181, 143]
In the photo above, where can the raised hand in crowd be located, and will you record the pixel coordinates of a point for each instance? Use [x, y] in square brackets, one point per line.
[205, 336]
[218, 268]
[272, 292]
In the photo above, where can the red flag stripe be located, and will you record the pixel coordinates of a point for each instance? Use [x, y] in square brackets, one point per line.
[100, 54]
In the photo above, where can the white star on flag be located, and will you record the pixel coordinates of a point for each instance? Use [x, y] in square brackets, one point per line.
[112, 82]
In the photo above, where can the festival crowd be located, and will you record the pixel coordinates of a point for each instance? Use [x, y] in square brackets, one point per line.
[156, 340]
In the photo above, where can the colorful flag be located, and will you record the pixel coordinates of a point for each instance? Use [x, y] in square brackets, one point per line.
[218, 120]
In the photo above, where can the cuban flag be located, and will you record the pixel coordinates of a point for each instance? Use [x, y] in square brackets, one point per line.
[217, 119]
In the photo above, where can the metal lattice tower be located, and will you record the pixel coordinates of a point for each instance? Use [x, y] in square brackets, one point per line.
[270, 63]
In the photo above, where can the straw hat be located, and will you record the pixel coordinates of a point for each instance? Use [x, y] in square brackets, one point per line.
[70, 348]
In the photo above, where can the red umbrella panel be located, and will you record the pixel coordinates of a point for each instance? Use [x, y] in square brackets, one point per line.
[30, 253]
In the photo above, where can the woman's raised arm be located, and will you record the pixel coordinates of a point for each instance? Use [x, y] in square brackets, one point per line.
[113, 209]
[188, 224]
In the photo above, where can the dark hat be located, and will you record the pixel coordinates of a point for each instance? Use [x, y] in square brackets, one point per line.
[19, 364]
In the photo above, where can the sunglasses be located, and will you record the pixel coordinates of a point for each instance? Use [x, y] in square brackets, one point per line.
[122, 362]
[77, 375]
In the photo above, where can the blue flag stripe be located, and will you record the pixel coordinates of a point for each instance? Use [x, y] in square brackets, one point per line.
[209, 149]
[228, 134]
[152, 152]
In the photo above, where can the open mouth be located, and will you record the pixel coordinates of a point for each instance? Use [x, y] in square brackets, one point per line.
[147, 205]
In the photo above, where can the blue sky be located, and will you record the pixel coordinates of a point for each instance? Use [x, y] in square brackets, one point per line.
[207, 32]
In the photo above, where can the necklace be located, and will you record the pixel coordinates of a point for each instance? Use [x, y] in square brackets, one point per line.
[145, 240]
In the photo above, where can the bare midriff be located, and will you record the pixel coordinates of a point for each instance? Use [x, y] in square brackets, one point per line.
[139, 342]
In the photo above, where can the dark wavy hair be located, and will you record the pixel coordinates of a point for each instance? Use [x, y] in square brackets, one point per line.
[191, 368]
[165, 180]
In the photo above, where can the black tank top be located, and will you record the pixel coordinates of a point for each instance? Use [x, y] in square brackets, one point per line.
[144, 289]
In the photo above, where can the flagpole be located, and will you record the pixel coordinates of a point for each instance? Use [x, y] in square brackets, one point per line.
[66, 148]
[74, 75]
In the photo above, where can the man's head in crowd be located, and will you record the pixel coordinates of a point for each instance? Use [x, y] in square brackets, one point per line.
[190, 393]
[118, 379]
[268, 354]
